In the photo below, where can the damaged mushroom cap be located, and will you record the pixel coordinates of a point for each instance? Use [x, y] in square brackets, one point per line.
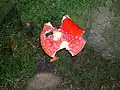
[69, 36]
[73, 35]
[50, 43]
[70, 27]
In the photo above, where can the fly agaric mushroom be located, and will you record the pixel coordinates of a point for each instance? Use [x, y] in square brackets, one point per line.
[73, 35]
[50, 40]
[69, 36]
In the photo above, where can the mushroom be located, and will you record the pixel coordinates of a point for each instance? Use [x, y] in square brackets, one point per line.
[50, 40]
[72, 33]
[68, 36]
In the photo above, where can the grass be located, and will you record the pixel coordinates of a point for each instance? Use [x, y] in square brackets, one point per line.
[42, 11]
[16, 55]
[87, 70]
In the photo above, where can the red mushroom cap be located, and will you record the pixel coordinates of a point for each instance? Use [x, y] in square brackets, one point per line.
[69, 36]
[73, 35]
[49, 45]
[69, 27]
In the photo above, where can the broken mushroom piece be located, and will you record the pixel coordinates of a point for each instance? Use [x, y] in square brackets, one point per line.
[50, 39]
[73, 35]
[69, 36]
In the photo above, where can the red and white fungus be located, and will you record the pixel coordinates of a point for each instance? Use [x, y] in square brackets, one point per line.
[68, 36]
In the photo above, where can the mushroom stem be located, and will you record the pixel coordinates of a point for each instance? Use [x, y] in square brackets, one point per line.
[54, 59]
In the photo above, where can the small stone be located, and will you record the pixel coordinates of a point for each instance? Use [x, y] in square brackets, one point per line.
[43, 81]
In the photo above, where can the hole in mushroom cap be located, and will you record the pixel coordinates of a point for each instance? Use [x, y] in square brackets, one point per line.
[48, 33]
